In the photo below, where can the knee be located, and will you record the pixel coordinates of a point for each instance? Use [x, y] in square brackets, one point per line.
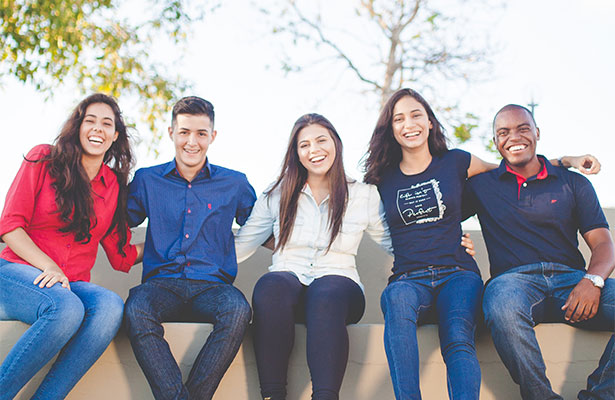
[66, 310]
[111, 311]
[502, 308]
[271, 291]
[236, 311]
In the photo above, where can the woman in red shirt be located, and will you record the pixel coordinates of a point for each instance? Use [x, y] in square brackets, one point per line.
[65, 200]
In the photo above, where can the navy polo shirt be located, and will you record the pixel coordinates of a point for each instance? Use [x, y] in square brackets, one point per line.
[189, 232]
[534, 220]
[423, 212]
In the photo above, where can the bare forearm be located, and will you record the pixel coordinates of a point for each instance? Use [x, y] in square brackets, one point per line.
[22, 245]
[602, 261]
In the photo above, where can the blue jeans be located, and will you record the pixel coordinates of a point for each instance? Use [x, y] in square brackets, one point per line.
[172, 299]
[78, 323]
[525, 296]
[451, 295]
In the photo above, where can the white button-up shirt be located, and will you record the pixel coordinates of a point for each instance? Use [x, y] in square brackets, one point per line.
[305, 253]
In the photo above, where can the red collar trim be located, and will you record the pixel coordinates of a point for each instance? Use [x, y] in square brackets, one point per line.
[521, 179]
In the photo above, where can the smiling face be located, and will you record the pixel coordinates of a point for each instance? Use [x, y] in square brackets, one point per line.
[515, 136]
[97, 131]
[191, 135]
[316, 150]
[410, 124]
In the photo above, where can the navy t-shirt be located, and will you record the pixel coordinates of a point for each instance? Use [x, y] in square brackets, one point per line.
[424, 214]
[536, 220]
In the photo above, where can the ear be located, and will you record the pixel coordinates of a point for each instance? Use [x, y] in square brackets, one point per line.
[170, 132]
[214, 133]
[115, 136]
[537, 133]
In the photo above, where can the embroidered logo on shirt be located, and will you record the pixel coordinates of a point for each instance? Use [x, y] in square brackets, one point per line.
[421, 203]
[553, 201]
[209, 205]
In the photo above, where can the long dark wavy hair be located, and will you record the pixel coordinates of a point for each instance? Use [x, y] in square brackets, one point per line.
[293, 177]
[384, 152]
[71, 182]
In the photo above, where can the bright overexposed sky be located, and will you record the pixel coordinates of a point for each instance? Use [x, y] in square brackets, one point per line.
[558, 52]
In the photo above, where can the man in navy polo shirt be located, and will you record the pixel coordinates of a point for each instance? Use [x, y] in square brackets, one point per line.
[530, 213]
[189, 261]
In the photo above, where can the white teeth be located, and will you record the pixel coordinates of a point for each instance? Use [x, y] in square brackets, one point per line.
[517, 147]
[316, 159]
[95, 139]
[191, 151]
[411, 134]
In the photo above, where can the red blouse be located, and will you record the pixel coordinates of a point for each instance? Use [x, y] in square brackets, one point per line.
[30, 204]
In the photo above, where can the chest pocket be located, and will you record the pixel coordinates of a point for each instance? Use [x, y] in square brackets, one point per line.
[349, 237]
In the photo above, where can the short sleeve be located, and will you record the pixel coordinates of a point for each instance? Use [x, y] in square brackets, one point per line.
[21, 197]
[588, 211]
[462, 161]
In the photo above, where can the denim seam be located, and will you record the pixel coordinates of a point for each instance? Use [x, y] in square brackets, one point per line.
[38, 333]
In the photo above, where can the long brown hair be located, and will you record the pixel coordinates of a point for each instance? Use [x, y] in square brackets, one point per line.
[71, 182]
[293, 177]
[384, 152]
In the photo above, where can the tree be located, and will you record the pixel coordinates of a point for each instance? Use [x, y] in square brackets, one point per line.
[99, 45]
[393, 44]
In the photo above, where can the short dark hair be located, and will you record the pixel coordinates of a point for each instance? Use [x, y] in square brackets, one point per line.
[512, 107]
[192, 105]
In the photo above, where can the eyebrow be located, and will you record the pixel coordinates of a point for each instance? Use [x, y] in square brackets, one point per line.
[411, 111]
[96, 116]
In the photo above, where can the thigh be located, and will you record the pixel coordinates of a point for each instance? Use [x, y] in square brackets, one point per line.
[604, 320]
[459, 297]
[337, 296]
[20, 299]
[407, 298]
[212, 301]
[159, 299]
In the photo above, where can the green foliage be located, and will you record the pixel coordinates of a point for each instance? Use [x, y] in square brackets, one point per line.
[49, 43]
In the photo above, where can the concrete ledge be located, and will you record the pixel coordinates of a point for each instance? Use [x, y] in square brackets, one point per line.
[570, 354]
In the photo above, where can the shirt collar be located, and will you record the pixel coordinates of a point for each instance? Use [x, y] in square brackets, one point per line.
[171, 168]
[105, 175]
[547, 169]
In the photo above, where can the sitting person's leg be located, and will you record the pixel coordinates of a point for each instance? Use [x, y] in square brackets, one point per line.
[275, 299]
[601, 383]
[103, 317]
[403, 302]
[224, 306]
[147, 306]
[513, 303]
[458, 305]
[55, 314]
[331, 302]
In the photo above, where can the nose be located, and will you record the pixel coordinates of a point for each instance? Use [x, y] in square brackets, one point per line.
[192, 138]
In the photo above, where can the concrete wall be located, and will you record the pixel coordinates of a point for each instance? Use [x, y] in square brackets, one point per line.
[571, 354]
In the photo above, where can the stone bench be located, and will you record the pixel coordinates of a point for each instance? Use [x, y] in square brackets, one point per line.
[570, 354]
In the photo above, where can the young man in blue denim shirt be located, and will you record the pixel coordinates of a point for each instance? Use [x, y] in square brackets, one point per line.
[530, 213]
[189, 261]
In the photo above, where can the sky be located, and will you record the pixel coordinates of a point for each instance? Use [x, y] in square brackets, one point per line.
[558, 53]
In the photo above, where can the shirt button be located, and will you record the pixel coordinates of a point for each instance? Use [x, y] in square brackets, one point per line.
[68, 246]
[189, 186]
[524, 184]
[187, 236]
[189, 211]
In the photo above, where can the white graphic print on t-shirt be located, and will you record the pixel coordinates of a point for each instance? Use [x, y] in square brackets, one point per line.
[421, 203]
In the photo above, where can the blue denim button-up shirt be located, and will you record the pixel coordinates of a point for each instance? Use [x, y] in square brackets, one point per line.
[189, 223]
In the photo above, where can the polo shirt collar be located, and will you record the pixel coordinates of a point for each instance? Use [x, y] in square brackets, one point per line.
[547, 170]
[171, 167]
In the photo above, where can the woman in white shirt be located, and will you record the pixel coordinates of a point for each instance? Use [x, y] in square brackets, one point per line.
[317, 216]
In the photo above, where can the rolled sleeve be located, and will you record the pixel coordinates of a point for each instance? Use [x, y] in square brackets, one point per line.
[377, 227]
[118, 261]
